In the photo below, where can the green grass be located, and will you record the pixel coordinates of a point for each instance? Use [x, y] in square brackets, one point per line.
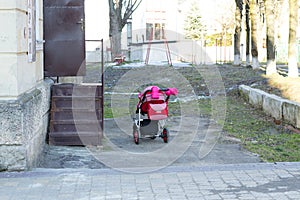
[276, 148]
[118, 111]
[107, 111]
[259, 134]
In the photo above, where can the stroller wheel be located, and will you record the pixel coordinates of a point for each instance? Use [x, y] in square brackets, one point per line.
[136, 137]
[165, 135]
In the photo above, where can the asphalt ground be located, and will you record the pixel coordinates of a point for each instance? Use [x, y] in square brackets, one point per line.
[120, 140]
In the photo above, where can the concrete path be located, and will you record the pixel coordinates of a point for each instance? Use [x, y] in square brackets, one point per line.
[240, 181]
[183, 149]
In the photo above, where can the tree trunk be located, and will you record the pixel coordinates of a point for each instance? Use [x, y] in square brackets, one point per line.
[271, 60]
[115, 41]
[115, 28]
[247, 35]
[254, 24]
[292, 49]
[237, 34]
[119, 13]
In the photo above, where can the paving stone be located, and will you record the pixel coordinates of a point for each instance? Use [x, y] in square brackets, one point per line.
[226, 181]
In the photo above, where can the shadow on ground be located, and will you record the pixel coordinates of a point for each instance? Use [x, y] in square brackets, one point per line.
[226, 151]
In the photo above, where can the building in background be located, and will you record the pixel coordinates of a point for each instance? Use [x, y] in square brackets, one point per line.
[157, 22]
[152, 25]
[170, 16]
[161, 20]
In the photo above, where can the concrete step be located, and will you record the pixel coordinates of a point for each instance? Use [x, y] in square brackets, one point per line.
[69, 89]
[75, 125]
[75, 138]
[72, 102]
[76, 114]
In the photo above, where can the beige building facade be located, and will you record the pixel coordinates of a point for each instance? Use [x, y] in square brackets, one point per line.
[18, 73]
[24, 93]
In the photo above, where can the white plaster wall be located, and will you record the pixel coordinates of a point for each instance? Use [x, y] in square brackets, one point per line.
[8, 35]
[8, 75]
[17, 75]
[12, 4]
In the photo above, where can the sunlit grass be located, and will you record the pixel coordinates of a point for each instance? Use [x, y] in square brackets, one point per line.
[289, 87]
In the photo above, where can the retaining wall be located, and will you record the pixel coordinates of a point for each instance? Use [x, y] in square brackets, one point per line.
[23, 128]
[274, 106]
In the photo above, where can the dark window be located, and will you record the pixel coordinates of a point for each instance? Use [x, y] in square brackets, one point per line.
[149, 31]
[157, 31]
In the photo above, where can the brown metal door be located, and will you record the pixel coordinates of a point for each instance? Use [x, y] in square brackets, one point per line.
[64, 50]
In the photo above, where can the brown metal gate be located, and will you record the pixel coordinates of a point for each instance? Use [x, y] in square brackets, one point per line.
[76, 109]
[64, 50]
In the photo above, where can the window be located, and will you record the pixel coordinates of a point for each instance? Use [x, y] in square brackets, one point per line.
[156, 33]
[31, 14]
[39, 40]
[149, 31]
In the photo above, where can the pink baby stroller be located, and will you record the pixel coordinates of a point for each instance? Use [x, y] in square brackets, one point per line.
[152, 110]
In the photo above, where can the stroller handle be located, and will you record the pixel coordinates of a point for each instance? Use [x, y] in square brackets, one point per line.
[163, 89]
[155, 89]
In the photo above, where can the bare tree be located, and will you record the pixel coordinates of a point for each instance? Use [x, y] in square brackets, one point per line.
[248, 30]
[226, 20]
[292, 49]
[254, 23]
[270, 21]
[119, 12]
[237, 34]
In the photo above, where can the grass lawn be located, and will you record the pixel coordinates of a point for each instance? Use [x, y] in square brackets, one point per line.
[259, 134]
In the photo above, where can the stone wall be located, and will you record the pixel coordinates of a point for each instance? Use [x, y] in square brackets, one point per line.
[275, 106]
[23, 128]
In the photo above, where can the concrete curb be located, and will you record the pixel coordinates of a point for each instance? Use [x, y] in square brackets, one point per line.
[274, 106]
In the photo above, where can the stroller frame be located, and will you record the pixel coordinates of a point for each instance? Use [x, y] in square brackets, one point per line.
[162, 131]
[145, 127]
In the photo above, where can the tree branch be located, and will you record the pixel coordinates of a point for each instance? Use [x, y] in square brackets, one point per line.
[128, 5]
[130, 8]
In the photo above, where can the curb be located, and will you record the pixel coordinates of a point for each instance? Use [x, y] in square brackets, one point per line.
[273, 105]
[42, 172]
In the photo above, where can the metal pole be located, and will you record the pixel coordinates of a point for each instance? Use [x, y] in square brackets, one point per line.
[129, 32]
[129, 37]
[221, 45]
[216, 50]
[102, 82]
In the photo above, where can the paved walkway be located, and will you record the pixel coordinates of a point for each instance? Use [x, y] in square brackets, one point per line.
[245, 181]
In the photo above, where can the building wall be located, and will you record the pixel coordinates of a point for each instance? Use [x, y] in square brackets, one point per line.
[24, 94]
[17, 75]
[23, 128]
[155, 11]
